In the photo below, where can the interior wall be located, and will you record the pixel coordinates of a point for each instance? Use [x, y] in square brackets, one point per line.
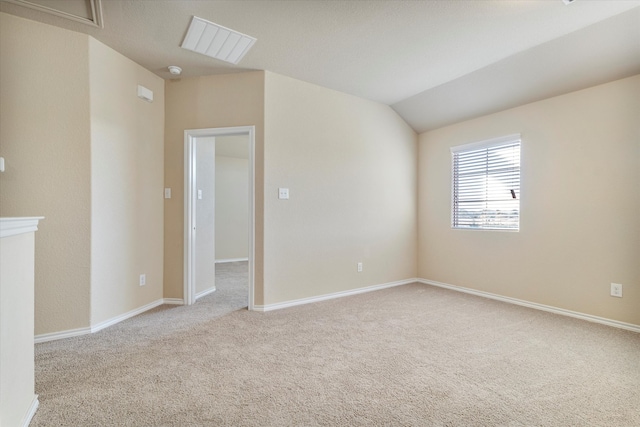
[350, 165]
[580, 206]
[44, 137]
[205, 274]
[208, 102]
[127, 177]
[232, 208]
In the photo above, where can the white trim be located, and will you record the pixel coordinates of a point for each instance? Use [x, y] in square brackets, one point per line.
[96, 11]
[221, 261]
[205, 292]
[252, 217]
[189, 217]
[534, 305]
[190, 136]
[173, 301]
[31, 412]
[487, 143]
[110, 322]
[53, 336]
[19, 225]
[309, 300]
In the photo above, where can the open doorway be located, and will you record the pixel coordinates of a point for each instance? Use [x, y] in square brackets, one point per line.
[219, 213]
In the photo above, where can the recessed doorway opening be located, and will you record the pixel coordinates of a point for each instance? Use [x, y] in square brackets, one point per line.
[208, 246]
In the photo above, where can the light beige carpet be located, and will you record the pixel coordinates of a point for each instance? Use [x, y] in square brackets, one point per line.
[414, 355]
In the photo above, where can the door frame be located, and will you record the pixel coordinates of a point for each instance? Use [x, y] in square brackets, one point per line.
[190, 198]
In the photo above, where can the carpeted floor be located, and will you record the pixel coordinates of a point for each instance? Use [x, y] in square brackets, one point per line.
[414, 355]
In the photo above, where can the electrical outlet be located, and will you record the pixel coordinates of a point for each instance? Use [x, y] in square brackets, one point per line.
[359, 267]
[616, 290]
[143, 279]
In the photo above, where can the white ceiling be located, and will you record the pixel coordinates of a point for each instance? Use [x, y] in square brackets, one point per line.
[603, 52]
[435, 61]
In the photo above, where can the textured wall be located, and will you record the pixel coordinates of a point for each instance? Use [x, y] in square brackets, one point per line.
[44, 137]
[127, 176]
[207, 102]
[580, 207]
[351, 168]
[86, 153]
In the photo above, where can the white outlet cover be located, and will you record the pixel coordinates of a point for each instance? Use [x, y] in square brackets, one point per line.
[616, 290]
[283, 193]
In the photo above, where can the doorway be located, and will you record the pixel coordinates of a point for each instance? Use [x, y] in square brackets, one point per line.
[200, 235]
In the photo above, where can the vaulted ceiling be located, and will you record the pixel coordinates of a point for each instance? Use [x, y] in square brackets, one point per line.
[435, 62]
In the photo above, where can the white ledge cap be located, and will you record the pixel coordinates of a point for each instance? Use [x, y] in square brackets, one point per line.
[20, 225]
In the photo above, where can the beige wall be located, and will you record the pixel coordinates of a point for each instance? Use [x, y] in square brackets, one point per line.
[86, 153]
[127, 177]
[580, 207]
[208, 102]
[205, 274]
[232, 207]
[350, 166]
[44, 137]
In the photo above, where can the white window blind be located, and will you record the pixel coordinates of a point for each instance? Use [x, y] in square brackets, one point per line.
[486, 184]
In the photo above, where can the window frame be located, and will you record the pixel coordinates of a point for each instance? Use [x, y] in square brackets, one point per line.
[479, 145]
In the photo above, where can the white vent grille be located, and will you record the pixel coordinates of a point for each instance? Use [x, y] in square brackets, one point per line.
[216, 41]
[85, 11]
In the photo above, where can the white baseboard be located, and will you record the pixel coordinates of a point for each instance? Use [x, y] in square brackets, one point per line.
[205, 292]
[548, 308]
[52, 336]
[31, 412]
[220, 261]
[110, 322]
[105, 324]
[292, 303]
[173, 301]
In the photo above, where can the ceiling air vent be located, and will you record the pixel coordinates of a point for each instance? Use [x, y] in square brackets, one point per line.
[85, 11]
[216, 41]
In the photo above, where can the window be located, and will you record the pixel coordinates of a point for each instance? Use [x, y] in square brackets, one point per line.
[486, 184]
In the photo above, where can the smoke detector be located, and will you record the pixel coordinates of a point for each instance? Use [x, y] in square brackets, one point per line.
[175, 70]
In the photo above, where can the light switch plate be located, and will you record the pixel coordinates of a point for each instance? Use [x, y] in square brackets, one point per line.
[167, 193]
